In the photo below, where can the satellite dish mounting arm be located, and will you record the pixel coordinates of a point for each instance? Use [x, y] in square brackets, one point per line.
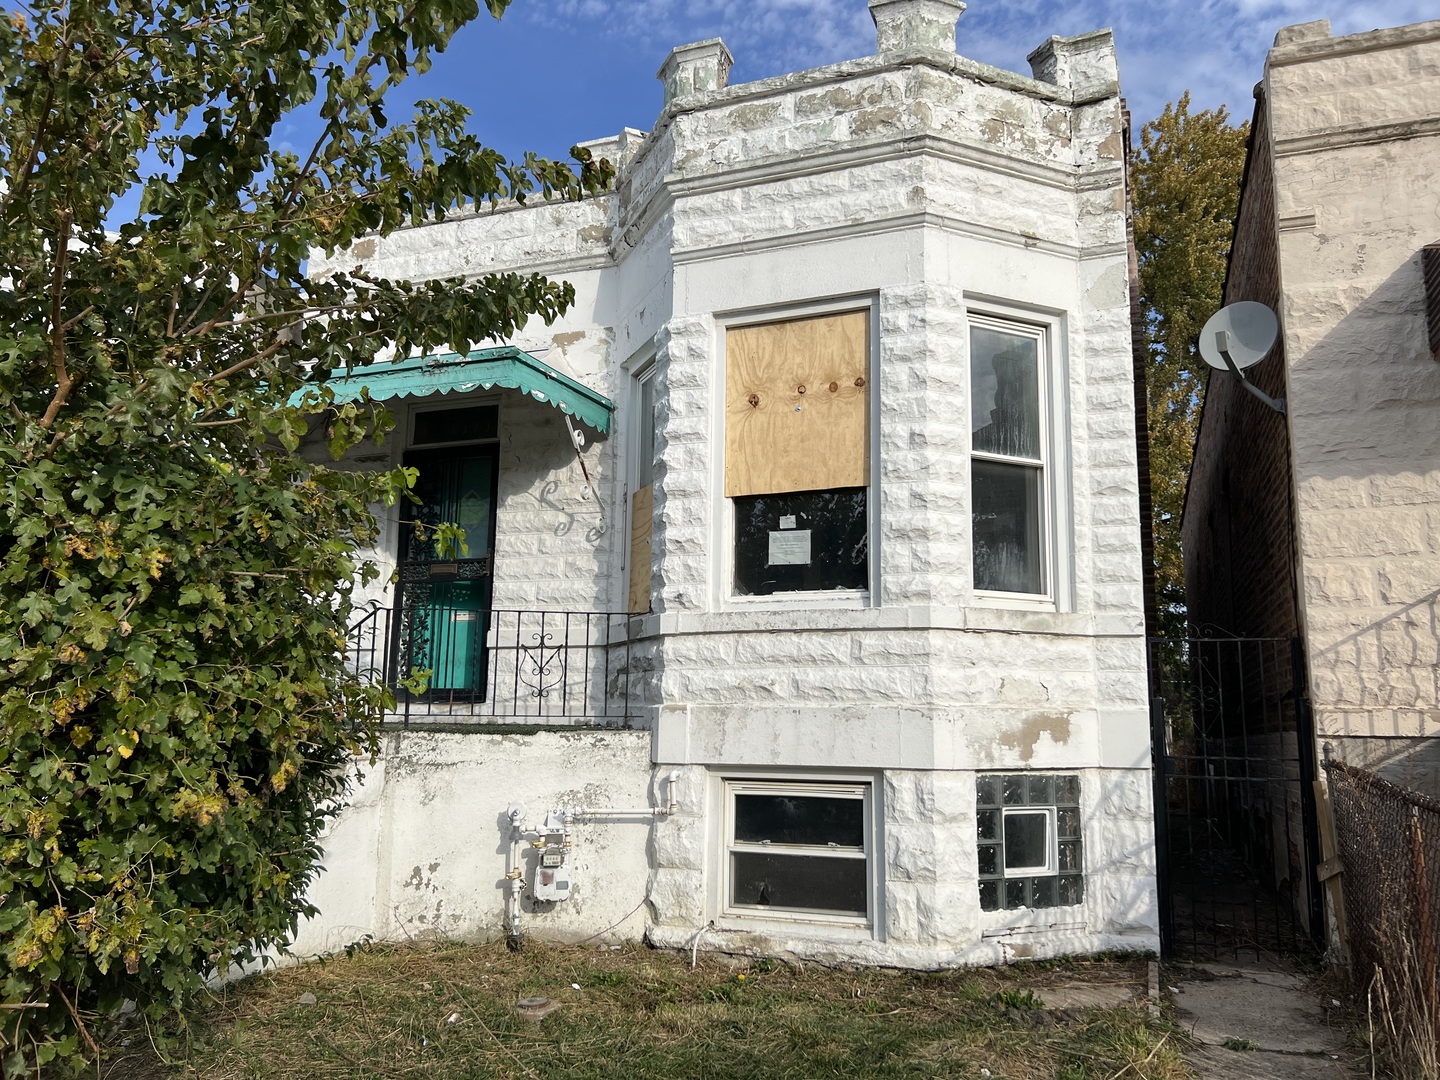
[1222, 346]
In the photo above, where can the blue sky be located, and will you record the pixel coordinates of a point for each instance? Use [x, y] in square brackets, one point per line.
[556, 72]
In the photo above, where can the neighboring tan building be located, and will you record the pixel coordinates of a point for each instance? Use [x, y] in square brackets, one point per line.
[854, 553]
[1324, 523]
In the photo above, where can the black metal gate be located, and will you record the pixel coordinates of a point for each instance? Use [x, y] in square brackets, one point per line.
[1234, 757]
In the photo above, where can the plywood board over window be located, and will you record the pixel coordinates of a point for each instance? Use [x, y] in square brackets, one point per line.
[796, 405]
[642, 510]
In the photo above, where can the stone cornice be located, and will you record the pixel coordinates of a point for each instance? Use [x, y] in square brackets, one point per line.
[895, 223]
[1302, 52]
[1357, 135]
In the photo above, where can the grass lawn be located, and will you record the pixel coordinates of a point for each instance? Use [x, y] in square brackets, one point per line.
[449, 1010]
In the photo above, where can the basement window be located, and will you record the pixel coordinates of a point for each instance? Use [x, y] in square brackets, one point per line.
[798, 849]
[1028, 841]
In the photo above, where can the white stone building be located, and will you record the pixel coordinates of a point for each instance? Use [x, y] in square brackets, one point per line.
[869, 486]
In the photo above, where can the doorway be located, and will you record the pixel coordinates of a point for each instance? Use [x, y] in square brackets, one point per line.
[446, 582]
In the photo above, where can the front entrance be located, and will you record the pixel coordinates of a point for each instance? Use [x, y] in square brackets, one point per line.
[1234, 756]
[446, 583]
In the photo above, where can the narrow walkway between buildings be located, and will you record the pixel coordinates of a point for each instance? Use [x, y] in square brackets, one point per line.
[1258, 1022]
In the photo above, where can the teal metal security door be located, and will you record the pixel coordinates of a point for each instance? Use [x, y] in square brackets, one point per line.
[445, 590]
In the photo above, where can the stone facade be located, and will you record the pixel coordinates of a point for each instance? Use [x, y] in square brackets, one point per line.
[922, 188]
[1326, 522]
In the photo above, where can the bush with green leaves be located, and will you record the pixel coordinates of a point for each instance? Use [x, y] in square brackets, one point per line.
[176, 713]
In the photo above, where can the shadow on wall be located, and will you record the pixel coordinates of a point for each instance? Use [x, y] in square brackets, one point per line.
[1367, 452]
[1369, 390]
[554, 545]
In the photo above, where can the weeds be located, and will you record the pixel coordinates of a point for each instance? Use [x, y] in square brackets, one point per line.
[440, 1010]
[1393, 916]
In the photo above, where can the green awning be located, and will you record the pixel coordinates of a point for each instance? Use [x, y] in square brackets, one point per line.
[451, 373]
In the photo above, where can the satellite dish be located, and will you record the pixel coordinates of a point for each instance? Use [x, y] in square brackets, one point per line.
[1250, 329]
[1239, 336]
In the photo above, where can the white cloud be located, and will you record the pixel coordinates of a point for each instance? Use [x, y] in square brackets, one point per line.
[1215, 48]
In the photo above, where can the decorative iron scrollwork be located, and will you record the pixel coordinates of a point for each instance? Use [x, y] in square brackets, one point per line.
[418, 570]
[539, 664]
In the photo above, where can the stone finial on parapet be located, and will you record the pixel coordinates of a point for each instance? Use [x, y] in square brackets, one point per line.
[695, 69]
[1082, 63]
[915, 24]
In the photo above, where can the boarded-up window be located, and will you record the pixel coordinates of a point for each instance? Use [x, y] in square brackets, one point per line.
[797, 453]
[796, 405]
[642, 504]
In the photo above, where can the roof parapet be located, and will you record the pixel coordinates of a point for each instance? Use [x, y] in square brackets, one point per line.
[695, 69]
[1081, 64]
[915, 24]
[1318, 30]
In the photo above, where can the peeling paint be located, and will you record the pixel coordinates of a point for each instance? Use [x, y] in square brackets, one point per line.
[1025, 738]
[750, 117]
[839, 99]
[872, 120]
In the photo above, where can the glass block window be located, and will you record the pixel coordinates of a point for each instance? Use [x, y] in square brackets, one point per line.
[798, 849]
[1028, 841]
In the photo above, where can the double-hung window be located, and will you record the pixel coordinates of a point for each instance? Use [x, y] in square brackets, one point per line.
[798, 849]
[1009, 452]
[797, 461]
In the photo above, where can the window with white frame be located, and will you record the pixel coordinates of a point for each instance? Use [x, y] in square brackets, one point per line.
[797, 453]
[798, 849]
[1008, 457]
[1028, 841]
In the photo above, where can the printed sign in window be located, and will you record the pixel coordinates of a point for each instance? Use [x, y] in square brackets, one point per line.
[790, 548]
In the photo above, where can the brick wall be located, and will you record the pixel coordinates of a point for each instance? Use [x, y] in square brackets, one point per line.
[1238, 524]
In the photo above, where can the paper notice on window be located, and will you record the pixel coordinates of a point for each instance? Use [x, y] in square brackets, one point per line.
[787, 521]
[790, 548]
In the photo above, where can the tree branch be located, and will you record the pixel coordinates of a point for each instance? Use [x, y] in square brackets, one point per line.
[22, 181]
[64, 383]
[250, 361]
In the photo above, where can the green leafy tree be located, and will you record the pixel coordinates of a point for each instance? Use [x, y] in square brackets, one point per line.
[1186, 188]
[175, 707]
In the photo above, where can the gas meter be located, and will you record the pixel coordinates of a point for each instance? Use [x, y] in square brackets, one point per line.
[552, 874]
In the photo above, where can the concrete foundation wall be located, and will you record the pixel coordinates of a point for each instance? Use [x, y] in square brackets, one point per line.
[421, 848]
[420, 851]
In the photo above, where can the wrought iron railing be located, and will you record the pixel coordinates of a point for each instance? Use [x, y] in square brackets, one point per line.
[452, 663]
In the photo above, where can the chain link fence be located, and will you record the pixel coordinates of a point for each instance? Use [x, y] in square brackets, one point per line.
[1388, 842]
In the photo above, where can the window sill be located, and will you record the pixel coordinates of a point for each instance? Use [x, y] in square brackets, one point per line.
[796, 925]
[844, 599]
[1021, 920]
[1014, 601]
